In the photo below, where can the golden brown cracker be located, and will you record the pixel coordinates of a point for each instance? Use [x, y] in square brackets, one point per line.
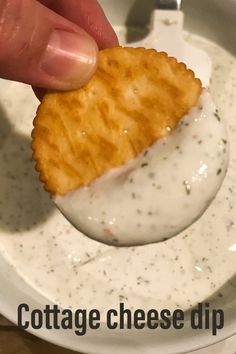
[136, 96]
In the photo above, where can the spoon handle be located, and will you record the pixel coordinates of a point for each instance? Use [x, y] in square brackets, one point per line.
[168, 4]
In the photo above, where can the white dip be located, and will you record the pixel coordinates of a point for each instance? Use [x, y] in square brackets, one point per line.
[162, 191]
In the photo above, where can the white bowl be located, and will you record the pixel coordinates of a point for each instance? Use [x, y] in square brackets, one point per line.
[214, 20]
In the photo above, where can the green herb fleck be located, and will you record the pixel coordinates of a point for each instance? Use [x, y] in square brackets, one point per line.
[216, 114]
[187, 187]
[145, 164]
[151, 175]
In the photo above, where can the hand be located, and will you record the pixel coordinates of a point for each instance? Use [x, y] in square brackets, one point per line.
[52, 44]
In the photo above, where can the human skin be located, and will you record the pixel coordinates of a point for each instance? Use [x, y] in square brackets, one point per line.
[52, 44]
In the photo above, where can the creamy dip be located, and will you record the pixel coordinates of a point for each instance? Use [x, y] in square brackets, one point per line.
[74, 271]
[162, 191]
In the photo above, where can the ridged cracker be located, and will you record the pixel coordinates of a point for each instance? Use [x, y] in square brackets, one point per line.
[136, 96]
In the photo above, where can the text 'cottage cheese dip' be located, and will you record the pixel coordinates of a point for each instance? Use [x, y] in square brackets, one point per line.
[162, 191]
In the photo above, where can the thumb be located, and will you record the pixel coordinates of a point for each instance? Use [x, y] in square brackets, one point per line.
[41, 48]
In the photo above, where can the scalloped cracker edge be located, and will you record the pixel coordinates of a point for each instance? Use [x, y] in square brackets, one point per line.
[136, 97]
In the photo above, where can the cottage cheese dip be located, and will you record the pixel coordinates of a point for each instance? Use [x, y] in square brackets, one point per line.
[162, 191]
[72, 270]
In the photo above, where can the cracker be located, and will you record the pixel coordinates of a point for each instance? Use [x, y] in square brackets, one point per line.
[136, 96]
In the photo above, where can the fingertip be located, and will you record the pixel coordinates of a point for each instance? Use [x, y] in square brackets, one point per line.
[39, 92]
[70, 59]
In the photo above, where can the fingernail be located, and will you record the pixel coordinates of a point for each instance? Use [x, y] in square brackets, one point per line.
[70, 59]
